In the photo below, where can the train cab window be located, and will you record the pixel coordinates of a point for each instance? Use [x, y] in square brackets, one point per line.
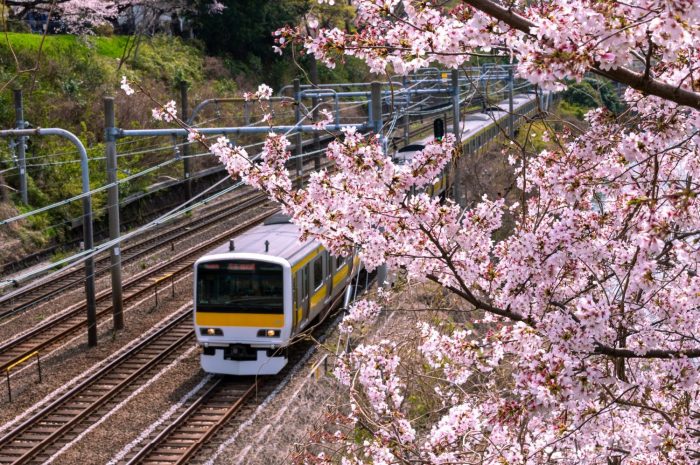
[318, 272]
[238, 286]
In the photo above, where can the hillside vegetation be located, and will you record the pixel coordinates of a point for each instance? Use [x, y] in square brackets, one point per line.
[63, 87]
[65, 77]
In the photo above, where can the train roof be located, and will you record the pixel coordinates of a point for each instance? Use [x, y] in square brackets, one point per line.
[405, 154]
[283, 237]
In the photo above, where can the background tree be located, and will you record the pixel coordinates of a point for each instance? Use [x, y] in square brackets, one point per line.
[242, 31]
[80, 16]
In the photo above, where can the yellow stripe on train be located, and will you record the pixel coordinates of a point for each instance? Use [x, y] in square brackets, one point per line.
[240, 319]
[340, 275]
[318, 296]
[307, 259]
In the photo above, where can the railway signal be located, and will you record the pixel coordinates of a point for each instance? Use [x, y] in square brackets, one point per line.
[439, 128]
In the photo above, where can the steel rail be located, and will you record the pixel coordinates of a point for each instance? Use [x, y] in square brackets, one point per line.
[51, 331]
[191, 445]
[53, 430]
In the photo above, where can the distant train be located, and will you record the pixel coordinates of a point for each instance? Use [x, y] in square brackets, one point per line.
[442, 183]
[253, 295]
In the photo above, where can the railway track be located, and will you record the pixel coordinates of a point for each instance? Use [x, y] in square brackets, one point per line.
[74, 318]
[61, 282]
[197, 423]
[55, 425]
[220, 406]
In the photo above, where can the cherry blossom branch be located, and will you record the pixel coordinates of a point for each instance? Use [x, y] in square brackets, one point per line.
[467, 295]
[646, 354]
[620, 74]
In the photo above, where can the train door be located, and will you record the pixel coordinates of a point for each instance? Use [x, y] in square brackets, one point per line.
[296, 305]
[303, 292]
[328, 273]
[317, 284]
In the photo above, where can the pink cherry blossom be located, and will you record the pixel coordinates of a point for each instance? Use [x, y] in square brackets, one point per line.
[327, 119]
[126, 87]
[579, 338]
[167, 112]
[264, 92]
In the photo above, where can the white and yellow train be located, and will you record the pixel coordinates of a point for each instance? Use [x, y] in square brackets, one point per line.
[253, 295]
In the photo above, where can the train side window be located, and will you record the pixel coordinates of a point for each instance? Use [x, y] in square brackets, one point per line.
[318, 272]
[340, 261]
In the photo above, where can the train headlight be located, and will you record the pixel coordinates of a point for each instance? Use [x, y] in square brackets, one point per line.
[211, 332]
[269, 333]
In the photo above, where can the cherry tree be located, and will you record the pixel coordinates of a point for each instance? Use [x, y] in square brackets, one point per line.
[79, 15]
[591, 303]
[74, 14]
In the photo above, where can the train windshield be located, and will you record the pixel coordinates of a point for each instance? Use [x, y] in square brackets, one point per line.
[240, 287]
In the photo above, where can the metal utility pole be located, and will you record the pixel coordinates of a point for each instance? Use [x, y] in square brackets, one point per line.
[375, 122]
[185, 148]
[113, 211]
[298, 149]
[87, 217]
[246, 113]
[511, 117]
[21, 158]
[406, 117]
[456, 120]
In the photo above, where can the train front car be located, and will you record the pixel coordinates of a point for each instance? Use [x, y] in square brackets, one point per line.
[243, 303]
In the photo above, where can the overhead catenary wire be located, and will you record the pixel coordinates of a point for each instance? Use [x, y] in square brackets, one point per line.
[80, 257]
[391, 124]
[106, 186]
